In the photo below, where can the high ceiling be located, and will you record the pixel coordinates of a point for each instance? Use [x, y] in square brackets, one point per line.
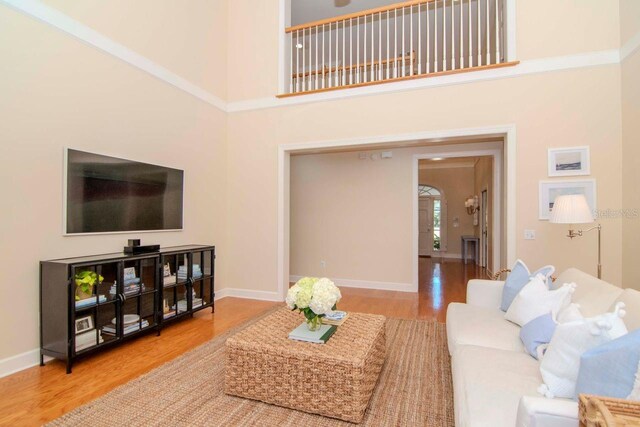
[303, 11]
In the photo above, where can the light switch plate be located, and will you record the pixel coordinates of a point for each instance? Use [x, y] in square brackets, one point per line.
[529, 234]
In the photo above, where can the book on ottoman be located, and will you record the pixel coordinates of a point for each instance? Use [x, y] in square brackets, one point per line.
[321, 336]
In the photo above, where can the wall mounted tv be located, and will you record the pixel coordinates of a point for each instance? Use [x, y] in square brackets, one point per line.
[108, 195]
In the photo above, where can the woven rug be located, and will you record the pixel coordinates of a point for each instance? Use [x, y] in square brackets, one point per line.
[414, 389]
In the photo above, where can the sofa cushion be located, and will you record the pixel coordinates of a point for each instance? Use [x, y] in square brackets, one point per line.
[595, 296]
[536, 299]
[488, 384]
[473, 325]
[631, 300]
[518, 279]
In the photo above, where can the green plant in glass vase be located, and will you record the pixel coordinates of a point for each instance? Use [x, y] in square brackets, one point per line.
[85, 281]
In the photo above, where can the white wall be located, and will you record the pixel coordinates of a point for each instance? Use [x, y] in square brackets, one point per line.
[59, 92]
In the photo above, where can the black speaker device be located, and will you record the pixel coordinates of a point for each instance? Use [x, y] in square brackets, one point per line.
[135, 248]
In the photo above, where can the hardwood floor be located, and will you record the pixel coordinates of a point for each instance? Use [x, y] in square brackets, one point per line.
[41, 394]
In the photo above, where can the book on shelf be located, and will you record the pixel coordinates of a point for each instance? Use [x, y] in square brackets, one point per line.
[169, 280]
[169, 314]
[321, 336]
[111, 329]
[196, 272]
[182, 304]
[88, 302]
[88, 339]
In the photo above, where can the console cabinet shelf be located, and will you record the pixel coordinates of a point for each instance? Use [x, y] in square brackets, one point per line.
[137, 294]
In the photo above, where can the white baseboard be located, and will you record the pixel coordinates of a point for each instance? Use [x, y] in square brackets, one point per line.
[367, 284]
[19, 362]
[248, 294]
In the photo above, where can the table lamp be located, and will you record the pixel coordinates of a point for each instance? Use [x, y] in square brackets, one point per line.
[574, 209]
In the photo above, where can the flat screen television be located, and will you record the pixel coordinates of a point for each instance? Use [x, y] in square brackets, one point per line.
[106, 194]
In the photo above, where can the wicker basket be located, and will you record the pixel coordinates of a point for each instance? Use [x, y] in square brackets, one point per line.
[335, 379]
[596, 411]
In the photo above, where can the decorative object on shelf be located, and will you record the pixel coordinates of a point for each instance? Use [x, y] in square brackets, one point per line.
[551, 190]
[314, 298]
[84, 324]
[85, 281]
[572, 161]
[472, 205]
[574, 209]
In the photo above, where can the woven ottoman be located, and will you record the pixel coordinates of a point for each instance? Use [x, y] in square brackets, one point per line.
[335, 379]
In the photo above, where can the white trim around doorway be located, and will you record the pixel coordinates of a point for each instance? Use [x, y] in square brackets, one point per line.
[508, 168]
[497, 185]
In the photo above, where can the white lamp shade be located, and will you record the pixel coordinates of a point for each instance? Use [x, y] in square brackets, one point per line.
[572, 209]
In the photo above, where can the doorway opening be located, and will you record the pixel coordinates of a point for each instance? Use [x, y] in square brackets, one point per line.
[432, 237]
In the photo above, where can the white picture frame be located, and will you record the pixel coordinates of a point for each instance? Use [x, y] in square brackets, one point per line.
[549, 190]
[569, 161]
[84, 324]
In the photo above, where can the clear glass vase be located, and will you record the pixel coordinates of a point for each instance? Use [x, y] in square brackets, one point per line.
[314, 323]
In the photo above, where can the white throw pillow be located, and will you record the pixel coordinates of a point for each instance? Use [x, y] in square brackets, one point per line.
[561, 361]
[535, 300]
[570, 314]
[635, 393]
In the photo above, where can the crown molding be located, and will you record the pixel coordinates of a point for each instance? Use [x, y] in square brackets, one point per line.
[630, 47]
[40, 11]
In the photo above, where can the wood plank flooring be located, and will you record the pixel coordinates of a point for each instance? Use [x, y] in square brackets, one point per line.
[40, 394]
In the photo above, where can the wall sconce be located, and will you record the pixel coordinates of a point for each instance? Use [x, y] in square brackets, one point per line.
[472, 205]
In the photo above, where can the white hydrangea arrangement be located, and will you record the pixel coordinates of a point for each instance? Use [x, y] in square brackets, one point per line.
[314, 298]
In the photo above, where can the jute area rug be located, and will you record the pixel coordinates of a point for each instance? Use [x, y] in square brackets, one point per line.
[414, 389]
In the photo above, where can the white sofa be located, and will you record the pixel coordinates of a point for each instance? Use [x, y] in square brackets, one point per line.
[494, 380]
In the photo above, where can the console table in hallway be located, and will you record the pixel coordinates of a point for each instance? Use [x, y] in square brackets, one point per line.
[476, 244]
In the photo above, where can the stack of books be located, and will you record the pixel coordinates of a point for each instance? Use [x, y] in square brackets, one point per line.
[196, 272]
[182, 304]
[169, 314]
[88, 302]
[335, 318]
[131, 287]
[321, 336]
[169, 280]
[88, 339]
[130, 326]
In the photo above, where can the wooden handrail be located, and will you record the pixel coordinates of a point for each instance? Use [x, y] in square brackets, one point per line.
[374, 11]
[409, 58]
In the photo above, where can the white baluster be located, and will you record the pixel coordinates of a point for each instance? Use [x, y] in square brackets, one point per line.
[304, 80]
[488, 61]
[373, 42]
[316, 67]
[403, 69]
[411, 41]
[395, 43]
[453, 40]
[330, 57]
[470, 63]
[461, 37]
[344, 54]
[358, 50]
[388, 47]
[364, 50]
[419, 41]
[350, 51]
[297, 61]
[435, 37]
[322, 70]
[498, 57]
[429, 40]
[444, 35]
[479, 37]
[379, 45]
[291, 61]
[337, 73]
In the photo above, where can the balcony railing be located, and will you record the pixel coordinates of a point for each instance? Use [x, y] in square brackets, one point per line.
[414, 39]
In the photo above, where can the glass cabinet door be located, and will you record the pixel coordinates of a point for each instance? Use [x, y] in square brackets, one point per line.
[202, 278]
[175, 282]
[95, 318]
[140, 295]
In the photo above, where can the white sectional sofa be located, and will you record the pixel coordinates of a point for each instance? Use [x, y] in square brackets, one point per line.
[495, 381]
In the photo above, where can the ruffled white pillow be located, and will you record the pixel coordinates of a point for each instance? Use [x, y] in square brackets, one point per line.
[571, 313]
[535, 299]
[561, 361]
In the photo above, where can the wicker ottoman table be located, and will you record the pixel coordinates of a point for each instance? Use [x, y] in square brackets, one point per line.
[335, 379]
